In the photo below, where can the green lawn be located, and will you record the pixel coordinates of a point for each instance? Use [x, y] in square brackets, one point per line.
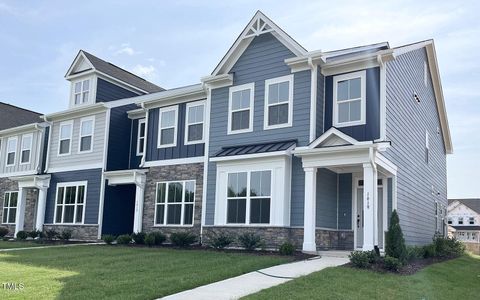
[18, 244]
[115, 272]
[454, 279]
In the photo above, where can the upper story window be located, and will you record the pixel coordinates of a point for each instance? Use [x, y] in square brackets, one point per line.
[141, 137]
[10, 207]
[194, 122]
[26, 149]
[85, 143]
[81, 92]
[349, 100]
[449, 221]
[240, 108]
[65, 138]
[471, 220]
[278, 102]
[167, 133]
[70, 202]
[175, 203]
[11, 150]
[460, 221]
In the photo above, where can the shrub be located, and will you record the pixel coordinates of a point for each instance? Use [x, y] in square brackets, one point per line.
[124, 239]
[219, 240]
[51, 234]
[360, 259]
[287, 248]
[414, 252]
[155, 238]
[149, 240]
[395, 243]
[373, 257]
[139, 237]
[429, 251]
[35, 233]
[250, 241]
[108, 239]
[182, 239]
[392, 263]
[3, 231]
[446, 247]
[65, 235]
[22, 235]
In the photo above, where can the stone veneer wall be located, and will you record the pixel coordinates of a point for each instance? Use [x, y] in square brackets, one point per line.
[172, 173]
[79, 232]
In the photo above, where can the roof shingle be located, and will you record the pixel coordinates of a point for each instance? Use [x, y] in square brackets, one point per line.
[14, 116]
[472, 203]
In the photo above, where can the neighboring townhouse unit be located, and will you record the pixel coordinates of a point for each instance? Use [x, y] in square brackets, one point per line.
[464, 217]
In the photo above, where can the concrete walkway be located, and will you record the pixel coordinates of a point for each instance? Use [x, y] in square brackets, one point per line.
[237, 287]
[51, 246]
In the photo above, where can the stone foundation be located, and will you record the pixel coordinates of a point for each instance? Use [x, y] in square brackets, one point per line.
[79, 232]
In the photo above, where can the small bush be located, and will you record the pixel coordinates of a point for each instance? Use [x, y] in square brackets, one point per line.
[65, 235]
[446, 247]
[219, 240]
[392, 263]
[22, 235]
[414, 252]
[395, 243]
[108, 239]
[35, 233]
[139, 238]
[360, 259]
[373, 257]
[182, 239]
[3, 231]
[250, 241]
[51, 234]
[149, 240]
[155, 239]
[287, 248]
[429, 251]
[124, 239]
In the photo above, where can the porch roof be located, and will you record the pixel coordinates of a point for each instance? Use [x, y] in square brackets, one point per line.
[256, 148]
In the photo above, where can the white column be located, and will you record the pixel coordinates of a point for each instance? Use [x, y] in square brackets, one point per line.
[42, 201]
[20, 217]
[309, 244]
[139, 197]
[369, 202]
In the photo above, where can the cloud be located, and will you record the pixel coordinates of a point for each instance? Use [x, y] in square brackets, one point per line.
[147, 72]
[126, 49]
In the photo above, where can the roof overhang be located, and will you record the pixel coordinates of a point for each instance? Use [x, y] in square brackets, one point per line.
[76, 112]
[32, 181]
[122, 177]
[22, 129]
[138, 113]
[173, 96]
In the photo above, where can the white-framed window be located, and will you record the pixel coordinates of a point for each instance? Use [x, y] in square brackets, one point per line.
[167, 131]
[70, 202]
[141, 137]
[10, 200]
[194, 122]
[26, 148]
[11, 150]
[175, 203]
[240, 108]
[460, 221]
[278, 111]
[449, 221]
[81, 92]
[85, 140]
[65, 138]
[427, 146]
[249, 195]
[349, 99]
[471, 220]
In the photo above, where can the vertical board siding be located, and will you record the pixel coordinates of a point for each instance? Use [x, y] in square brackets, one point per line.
[94, 178]
[118, 141]
[135, 160]
[371, 129]
[320, 103]
[298, 193]
[17, 167]
[406, 122]
[107, 91]
[345, 201]
[326, 208]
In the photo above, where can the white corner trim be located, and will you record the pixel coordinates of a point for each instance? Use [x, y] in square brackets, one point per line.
[313, 102]
[175, 161]
[363, 106]
[247, 86]
[268, 82]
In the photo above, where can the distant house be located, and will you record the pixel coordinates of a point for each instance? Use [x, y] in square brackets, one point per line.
[464, 217]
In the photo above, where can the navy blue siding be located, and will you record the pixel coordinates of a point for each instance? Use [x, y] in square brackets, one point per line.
[118, 140]
[320, 103]
[134, 159]
[107, 91]
[298, 193]
[326, 208]
[118, 210]
[371, 130]
[94, 178]
[344, 201]
[181, 150]
[44, 150]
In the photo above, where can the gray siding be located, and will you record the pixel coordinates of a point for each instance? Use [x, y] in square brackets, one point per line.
[406, 122]
[345, 201]
[298, 192]
[326, 208]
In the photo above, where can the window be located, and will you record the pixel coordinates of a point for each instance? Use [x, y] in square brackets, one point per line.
[460, 221]
[471, 220]
[450, 221]
[10, 200]
[167, 133]
[81, 92]
[26, 148]
[249, 197]
[240, 109]
[141, 137]
[65, 138]
[278, 102]
[349, 99]
[70, 203]
[194, 122]
[11, 150]
[85, 143]
[427, 146]
[175, 202]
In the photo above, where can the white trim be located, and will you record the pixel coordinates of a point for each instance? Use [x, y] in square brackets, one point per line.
[313, 102]
[188, 106]
[62, 124]
[287, 152]
[9, 207]
[268, 82]
[29, 148]
[80, 136]
[333, 132]
[140, 122]
[172, 96]
[336, 79]
[106, 139]
[81, 81]
[101, 205]
[64, 185]
[175, 126]
[205, 158]
[21, 173]
[237, 88]
[78, 112]
[75, 168]
[383, 101]
[176, 161]
[15, 152]
[182, 204]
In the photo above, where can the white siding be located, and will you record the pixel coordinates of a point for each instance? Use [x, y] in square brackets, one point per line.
[37, 144]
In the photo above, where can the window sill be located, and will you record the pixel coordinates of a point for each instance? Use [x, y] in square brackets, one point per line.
[173, 226]
[267, 127]
[166, 146]
[239, 131]
[349, 124]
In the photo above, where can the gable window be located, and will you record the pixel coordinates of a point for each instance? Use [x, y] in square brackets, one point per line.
[175, 202]
[141, 137]
[85, 143]
[249, 197]
[167, 133]
[450, 221]
[11, 150]
[26, 148]
[10, 200]
[70, 202]
[471, 220]
[240, 108]
[194, 122]
[349, 101]
[65, 138]
[81, 91]
[278, 102]
[427, 146]
[460, 221]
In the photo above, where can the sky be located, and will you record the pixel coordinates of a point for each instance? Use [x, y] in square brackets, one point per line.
[174, 43]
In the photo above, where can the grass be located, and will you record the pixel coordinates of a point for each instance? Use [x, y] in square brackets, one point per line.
[454, 279]
[116, 272]
[18, 244]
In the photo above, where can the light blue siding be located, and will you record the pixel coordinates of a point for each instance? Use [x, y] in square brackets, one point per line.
[344, 201]
[326, 208]
[298, 193]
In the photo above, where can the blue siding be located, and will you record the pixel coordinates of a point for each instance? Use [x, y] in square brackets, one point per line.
[107, 91]
[344, 201]
[94, 178]
[44, 150]
[181, 150]
[118, 138]
[134, 159]
[298, 193]
[371, 130]
[326, 208]
[118, 210]
[320, 103]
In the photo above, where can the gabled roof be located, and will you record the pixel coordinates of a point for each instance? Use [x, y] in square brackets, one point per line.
[333, 137]
[14, 116]
[472, 203]
[85, 61]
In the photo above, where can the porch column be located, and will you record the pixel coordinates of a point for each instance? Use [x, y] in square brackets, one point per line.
[309, 244]
[20, 216]
[139, 197]
[369, 203]
[42, 201]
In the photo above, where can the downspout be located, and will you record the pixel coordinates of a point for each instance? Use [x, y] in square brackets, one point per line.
[47, 160]
[142, 162]
[206, 155]
[313, 98]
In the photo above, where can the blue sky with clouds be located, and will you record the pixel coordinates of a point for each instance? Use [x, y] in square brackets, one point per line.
[174, 43]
